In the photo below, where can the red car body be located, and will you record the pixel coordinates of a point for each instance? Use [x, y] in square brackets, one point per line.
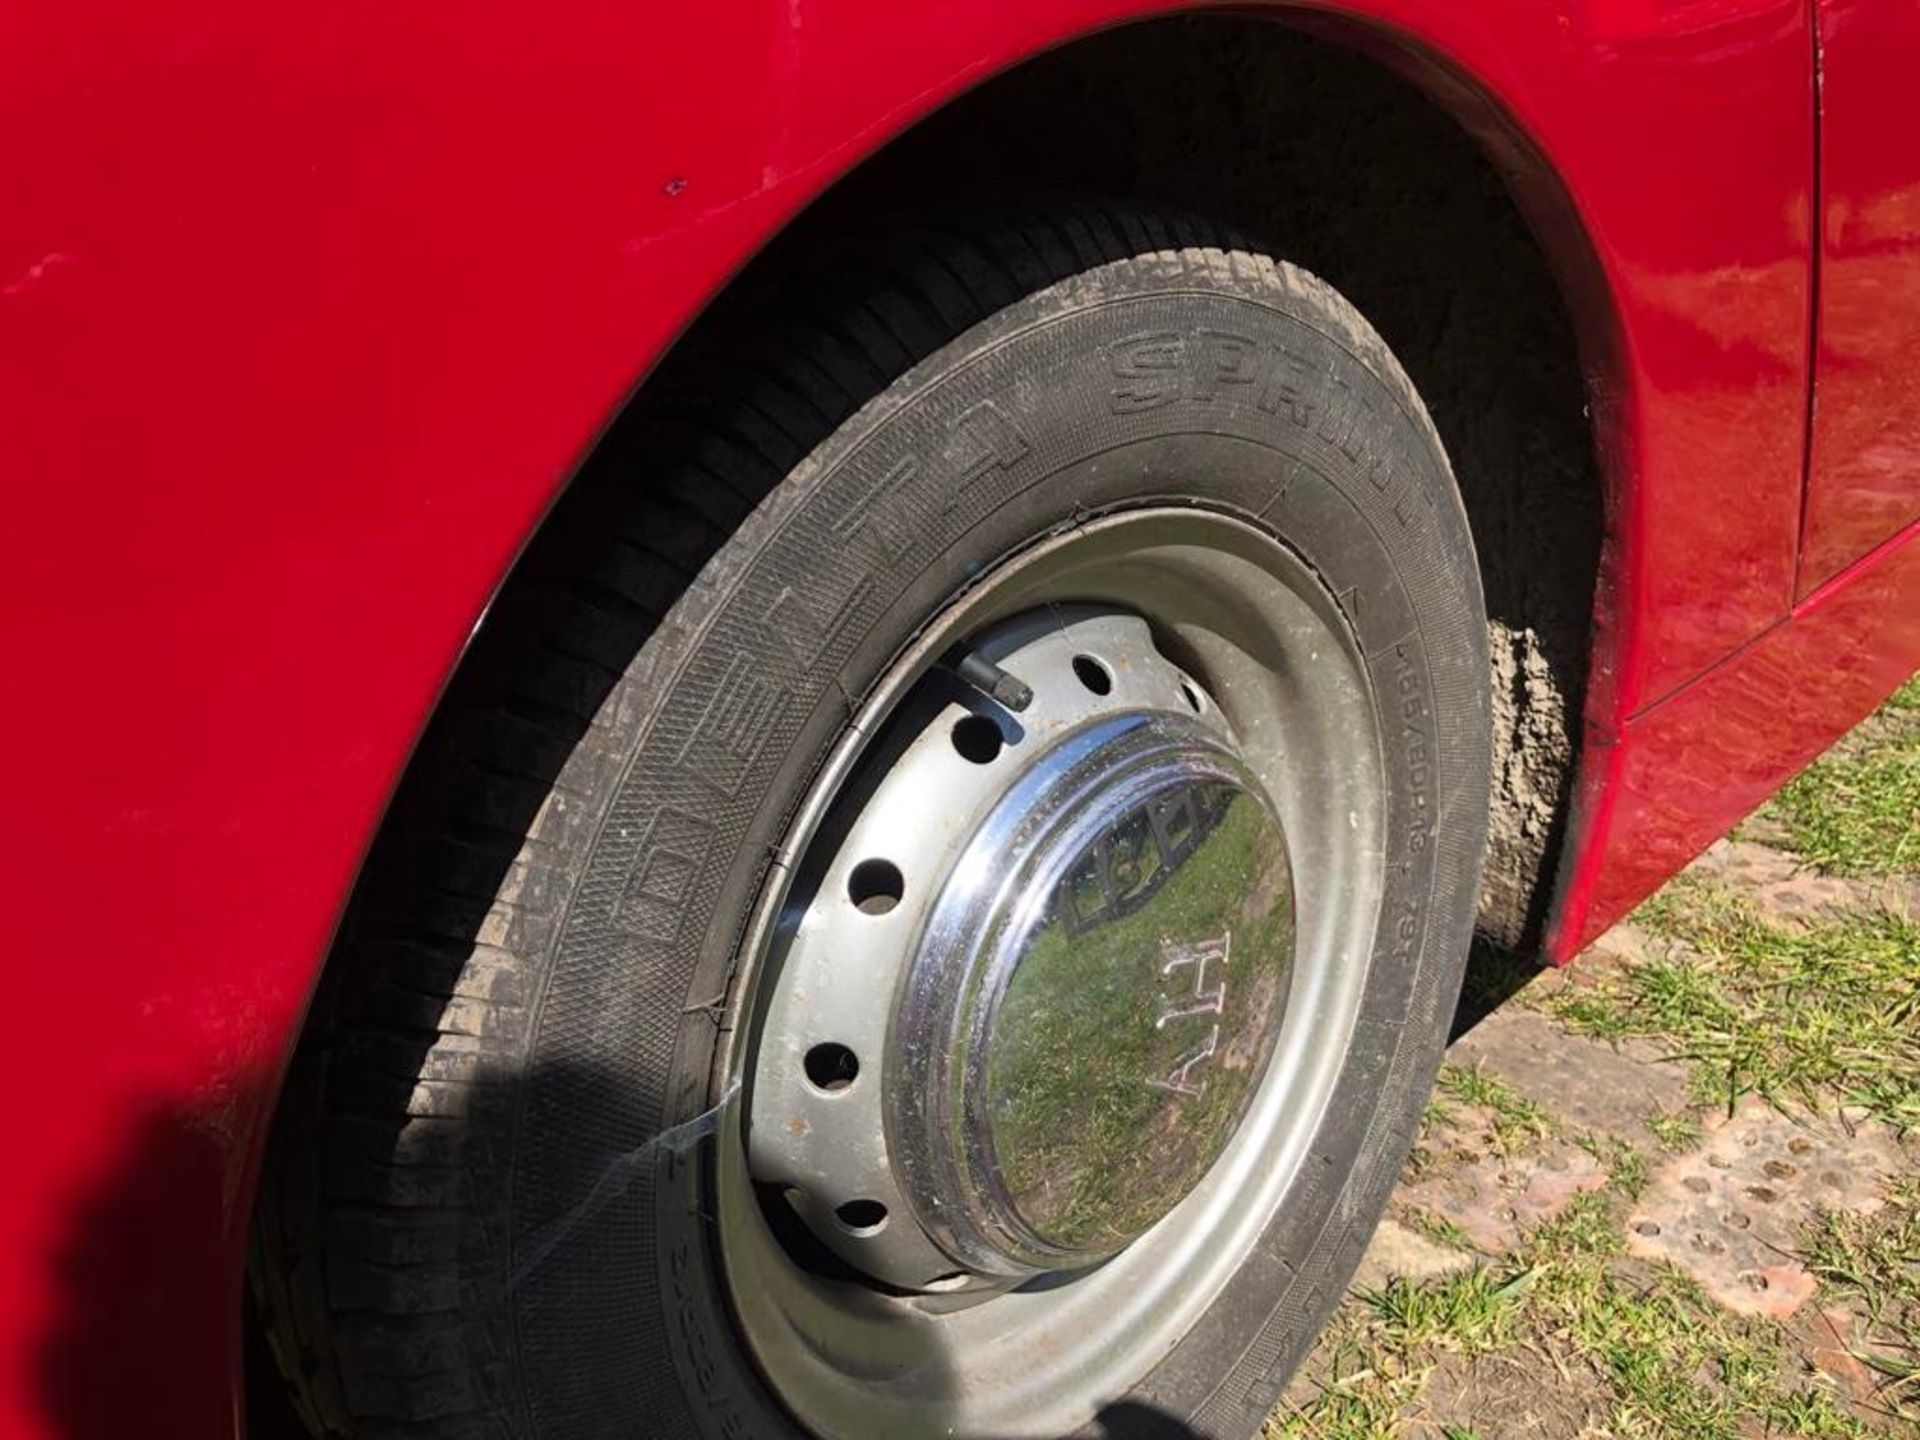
[307, 313]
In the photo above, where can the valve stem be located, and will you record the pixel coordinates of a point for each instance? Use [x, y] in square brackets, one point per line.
[993, 682]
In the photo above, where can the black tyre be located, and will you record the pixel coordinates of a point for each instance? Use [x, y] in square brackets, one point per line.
[551, 1159]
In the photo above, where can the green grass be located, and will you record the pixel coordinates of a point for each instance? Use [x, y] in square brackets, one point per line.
[1356, 1400]
[1588, 1229]
[1874, 1258]
[1857, 811]
[1646, 1347]
[1626, 1167]
[1516, 1120]
[1669, 1361]
[1675, 1130]
[1828, 1011]
[1472, 1312]
[1439, 1229]
[1872, 1262]
[1674, 1364]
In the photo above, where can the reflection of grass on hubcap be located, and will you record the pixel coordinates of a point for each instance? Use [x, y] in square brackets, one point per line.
[1092, 1151]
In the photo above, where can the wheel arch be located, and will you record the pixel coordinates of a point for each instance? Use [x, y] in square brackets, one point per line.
[1555, 607]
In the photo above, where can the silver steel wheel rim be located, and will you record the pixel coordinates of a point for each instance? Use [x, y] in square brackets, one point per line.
[1007, 1338]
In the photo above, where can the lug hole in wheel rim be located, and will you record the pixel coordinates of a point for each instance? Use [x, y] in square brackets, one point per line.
[831, 1067]
[978, 739]
[1093, 674]
[875, 886]
[862, 1217]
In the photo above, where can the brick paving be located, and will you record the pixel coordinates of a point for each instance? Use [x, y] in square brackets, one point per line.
[1727, 1207]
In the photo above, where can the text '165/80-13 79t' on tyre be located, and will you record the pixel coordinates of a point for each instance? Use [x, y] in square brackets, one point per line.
[933, 907]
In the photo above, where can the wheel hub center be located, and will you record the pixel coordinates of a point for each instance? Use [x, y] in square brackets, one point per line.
[1094, 997]
[1020, 1013]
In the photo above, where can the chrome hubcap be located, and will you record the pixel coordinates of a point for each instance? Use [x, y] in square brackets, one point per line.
[1035, 966]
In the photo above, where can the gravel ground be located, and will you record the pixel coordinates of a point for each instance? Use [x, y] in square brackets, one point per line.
[1674, 1190]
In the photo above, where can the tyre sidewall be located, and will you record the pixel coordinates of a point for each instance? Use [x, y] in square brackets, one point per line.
[1193, 377]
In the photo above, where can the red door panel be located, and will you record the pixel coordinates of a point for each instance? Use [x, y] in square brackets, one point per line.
[1865, 478]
